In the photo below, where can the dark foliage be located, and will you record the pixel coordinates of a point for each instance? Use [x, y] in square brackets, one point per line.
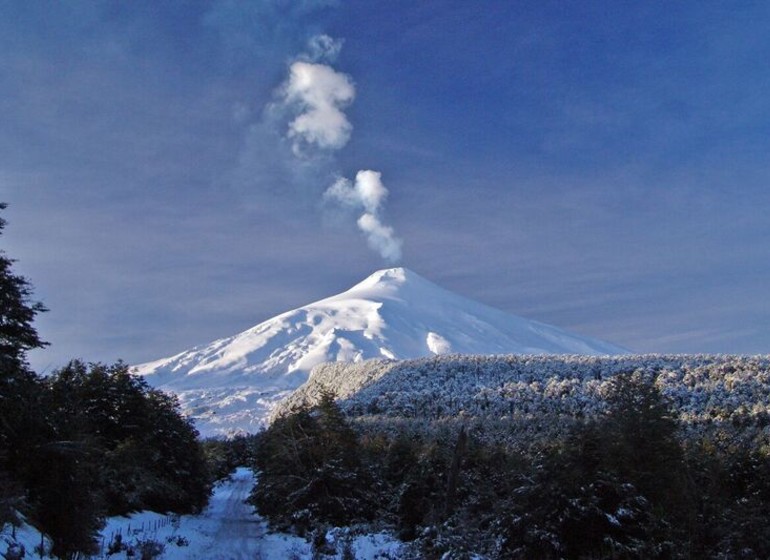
[65, 504]
[639, 439]
[148, 453]
[627, 483]
[224, 455]
[17, 312]
[730, 496]
[310, 471]
[110, 445]
[19, 412]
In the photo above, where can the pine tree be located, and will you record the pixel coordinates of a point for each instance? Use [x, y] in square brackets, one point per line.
[67, 506]
[640, 434]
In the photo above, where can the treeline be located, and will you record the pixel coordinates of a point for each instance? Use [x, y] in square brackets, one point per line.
[91, 441]
[631, 481]
[87, 441]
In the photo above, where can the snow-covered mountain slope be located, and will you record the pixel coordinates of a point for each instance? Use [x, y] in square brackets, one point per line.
[233, 383]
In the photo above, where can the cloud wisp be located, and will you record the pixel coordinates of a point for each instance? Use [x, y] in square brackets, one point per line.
[368, 194]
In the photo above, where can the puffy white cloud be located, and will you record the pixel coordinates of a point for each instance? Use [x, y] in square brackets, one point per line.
[343, 193]
[319, 93]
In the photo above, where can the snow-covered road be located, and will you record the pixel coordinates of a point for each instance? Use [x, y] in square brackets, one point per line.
[236, 533]
[227, 529]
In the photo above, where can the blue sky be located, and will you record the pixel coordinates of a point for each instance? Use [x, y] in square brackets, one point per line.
[600, 166]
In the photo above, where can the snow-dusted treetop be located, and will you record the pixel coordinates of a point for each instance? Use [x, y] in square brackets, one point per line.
[232, 383]
[517, 397]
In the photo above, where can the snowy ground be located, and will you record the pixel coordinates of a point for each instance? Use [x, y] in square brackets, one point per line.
[23, 541]
[226, 530]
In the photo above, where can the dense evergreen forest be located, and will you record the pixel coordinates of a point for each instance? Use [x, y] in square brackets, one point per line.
[654, 462]
[87, 441]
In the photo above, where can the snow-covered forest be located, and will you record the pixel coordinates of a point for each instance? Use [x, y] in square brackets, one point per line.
[537, 393]
[532, 456]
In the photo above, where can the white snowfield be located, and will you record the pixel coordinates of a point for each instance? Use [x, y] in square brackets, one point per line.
[233, 384]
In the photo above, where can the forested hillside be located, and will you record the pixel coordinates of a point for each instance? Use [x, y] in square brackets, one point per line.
[520, 390]
[532, 457]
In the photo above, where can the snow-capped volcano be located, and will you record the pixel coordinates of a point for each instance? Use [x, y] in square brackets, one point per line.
[233, 383]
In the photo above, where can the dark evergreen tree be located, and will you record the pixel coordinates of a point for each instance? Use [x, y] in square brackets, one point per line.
[639, 436]
[310, 470]
[149, 453]
[730, 496]
[223, 456]
[177, 458]
[421, 497]
[17, 312]
[20, 415]
[66, 504]
[87, 440]
[453, 475]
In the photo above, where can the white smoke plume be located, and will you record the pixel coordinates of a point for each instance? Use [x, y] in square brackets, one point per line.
[318, 93]
[380, 237]
[368, 194]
